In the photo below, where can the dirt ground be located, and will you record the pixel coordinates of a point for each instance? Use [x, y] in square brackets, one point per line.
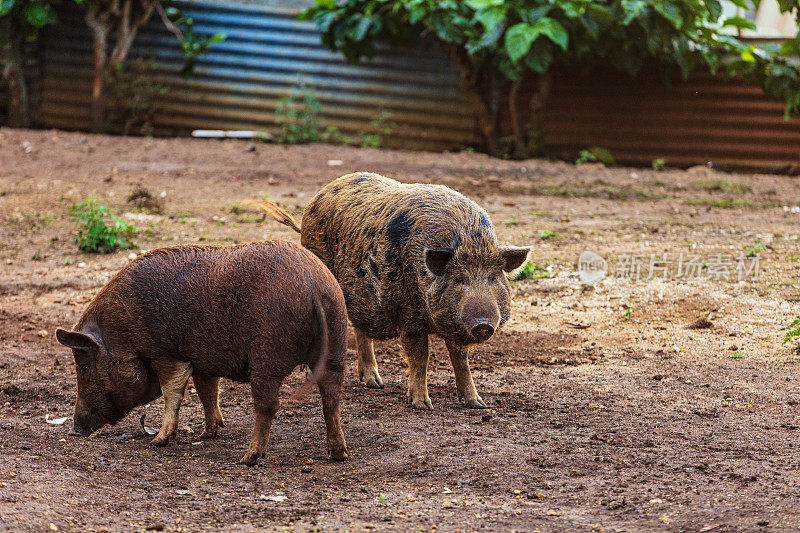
[611, 409]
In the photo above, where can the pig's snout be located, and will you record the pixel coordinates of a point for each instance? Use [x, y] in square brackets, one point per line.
[481, 318]
[85, 421]
[482, 330]
[78, 431]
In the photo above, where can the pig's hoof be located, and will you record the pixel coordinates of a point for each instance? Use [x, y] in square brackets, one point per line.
[475, 403]
[250, 459]
[422, 403]
[160, 441]
[339, 455]
[371, 378]
[209, 433]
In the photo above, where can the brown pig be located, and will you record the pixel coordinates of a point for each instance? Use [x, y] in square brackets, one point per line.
[250, 312]
[412, 260]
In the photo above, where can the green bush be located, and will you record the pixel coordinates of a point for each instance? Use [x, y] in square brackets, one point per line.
[99, 230]
[532, 271]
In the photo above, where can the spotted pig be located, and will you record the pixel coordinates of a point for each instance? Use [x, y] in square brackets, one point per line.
[412, 260]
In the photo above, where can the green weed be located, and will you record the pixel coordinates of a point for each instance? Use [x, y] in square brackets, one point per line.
[99, 230]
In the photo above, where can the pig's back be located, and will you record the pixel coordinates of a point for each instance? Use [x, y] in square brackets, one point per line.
[365, 214]
[210, 304]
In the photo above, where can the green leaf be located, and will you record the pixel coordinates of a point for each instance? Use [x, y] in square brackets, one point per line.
[748, 56]
[633, 9]
[360, 30]
[35, 14]
[554, 31]
[519, 38]
[6, 6]
[739, 22]
[483, 4]
[669, 12]
[491, 17]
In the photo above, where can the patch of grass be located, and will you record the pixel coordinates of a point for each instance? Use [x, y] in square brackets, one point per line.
[793, 335]
[723, 186]
[99, 230]
[595, 189]
[724, 203]
[659, 164]
[737, 355]
[753, 250]
[793, 258]
[627, 309]
[548, 235]
[512, 223]
[34, 221]
[532, 271]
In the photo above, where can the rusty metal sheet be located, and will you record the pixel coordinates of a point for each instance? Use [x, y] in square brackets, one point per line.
[705, 118]
[241, 81]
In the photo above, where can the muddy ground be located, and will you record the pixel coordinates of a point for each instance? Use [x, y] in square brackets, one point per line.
[637, 422]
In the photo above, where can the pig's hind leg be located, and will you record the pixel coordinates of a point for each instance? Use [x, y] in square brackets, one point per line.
[173, 377]
[459, 357]
[265, 403]
[367, 365]
[330, 388]
[208, 392]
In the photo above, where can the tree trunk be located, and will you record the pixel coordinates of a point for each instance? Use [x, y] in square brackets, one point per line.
[100, 27]
[544, 83]
[481, 92]
[520, 139]
[14, 74]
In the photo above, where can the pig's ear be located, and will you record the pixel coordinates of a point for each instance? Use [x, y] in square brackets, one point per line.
[514, 256]
[436, 259]
[76, 340]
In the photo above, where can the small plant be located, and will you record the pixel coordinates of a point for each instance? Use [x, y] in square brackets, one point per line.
[298, 117]
[595, 154]
[585, 156]
[659, 164]
[626, 311]
[753, 250]
[95, 234]
[793, 258]
[532, 271]
[737, 355]
[793, 335]
[548, 235]
[382, 130]
[382, 501]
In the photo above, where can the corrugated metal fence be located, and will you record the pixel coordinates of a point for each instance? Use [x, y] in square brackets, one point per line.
[239, 84]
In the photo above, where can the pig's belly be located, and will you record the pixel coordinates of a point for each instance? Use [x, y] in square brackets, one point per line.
[365, 313]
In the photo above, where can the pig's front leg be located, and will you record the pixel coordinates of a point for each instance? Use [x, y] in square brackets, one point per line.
[459, 357]
[208, 392]
[173, 377]
[415, 349]
[367, 365]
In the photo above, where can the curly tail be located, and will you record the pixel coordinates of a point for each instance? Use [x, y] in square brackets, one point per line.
[273, 210]
[322, 359]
